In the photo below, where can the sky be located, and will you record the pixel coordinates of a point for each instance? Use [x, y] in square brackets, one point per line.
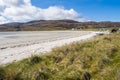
[79, 10]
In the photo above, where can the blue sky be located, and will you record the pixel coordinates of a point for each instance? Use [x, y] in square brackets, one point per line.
[95, 10]
[79, 10]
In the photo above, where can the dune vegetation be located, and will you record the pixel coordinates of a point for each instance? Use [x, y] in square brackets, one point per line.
[96, 59]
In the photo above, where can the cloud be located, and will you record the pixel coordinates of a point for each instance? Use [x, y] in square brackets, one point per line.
[23, 10]
[3, 20]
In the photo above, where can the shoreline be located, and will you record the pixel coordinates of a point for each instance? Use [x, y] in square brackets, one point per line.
[9, 55]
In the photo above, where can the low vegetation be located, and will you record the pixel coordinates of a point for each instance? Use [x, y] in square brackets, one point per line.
[50, 25]
[96, 59]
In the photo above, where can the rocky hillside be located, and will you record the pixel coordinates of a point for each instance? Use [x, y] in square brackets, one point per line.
[38, 25]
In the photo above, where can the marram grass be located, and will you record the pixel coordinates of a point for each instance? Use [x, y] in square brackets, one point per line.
[96, 59]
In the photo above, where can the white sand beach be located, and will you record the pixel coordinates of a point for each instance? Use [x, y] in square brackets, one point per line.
[15, 46]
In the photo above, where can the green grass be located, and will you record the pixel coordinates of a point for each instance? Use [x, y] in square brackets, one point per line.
[97, 59]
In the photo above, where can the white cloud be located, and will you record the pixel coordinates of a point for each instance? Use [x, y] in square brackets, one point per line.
[3, 20]
[23, 10]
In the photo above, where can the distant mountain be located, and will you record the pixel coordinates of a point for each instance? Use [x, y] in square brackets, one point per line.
[38, 25]
[11, 24]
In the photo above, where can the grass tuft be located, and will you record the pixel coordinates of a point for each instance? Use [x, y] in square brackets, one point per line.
[35, 59]
[2, 73]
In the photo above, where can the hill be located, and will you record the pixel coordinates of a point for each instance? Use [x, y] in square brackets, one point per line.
[40, 25]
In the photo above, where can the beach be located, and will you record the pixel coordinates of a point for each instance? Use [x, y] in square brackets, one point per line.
[15, 46]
